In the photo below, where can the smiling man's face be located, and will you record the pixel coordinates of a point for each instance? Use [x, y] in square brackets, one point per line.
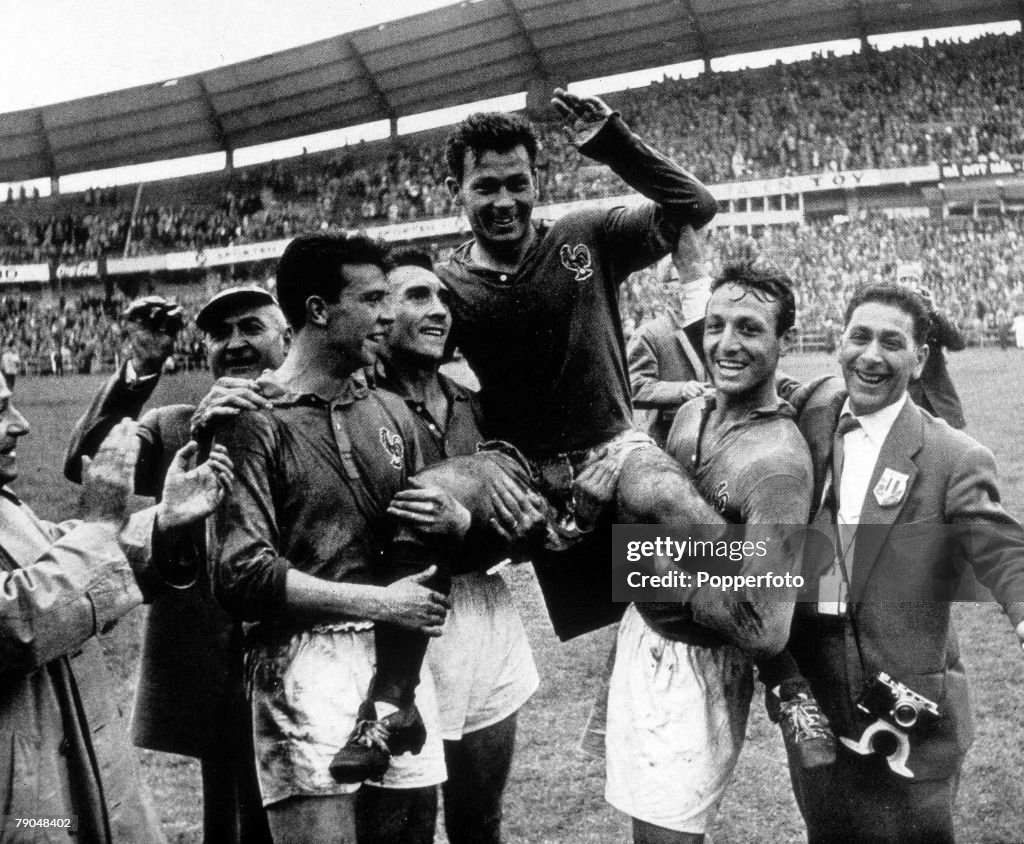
[740, 344]
[879, 356]
[12, 428]
[422, 319]
[498, 193]
[244, 342]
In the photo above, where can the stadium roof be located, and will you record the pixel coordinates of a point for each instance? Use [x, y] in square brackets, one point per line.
[475, 50]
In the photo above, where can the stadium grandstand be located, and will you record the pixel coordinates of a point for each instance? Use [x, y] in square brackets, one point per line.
[843, 168]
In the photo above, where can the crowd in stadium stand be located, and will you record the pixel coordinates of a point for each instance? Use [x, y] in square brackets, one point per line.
[911, 105]
[906, 106]
[82, 335]
[974, 269]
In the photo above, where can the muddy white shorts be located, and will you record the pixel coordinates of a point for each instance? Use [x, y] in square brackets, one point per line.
[677, 715]
[305, 695]
[482, 664]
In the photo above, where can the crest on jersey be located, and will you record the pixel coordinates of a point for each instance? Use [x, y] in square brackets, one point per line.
[394, 446]
[891, 488]
[577, 259]
[720, 497]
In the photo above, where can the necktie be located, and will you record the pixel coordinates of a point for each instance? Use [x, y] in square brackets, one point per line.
[834, 586]
[847, 423]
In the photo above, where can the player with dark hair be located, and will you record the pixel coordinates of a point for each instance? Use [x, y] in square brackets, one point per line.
[310, 266]
[303, 547]
[536, 315]
[484, 131]
[482, 666]
[680, 691]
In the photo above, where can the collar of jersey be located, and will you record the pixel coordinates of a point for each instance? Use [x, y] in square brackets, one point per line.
[461, 255]
[354, 388]
[780, 407]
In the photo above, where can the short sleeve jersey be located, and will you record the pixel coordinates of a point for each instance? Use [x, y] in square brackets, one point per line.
[758, 471]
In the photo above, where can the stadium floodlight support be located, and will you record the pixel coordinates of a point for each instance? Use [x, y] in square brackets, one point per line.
[862, 24]
[374, 86]
[539, 68]
[216, 124]
[44, 141]
[131, 220]
[700, 34]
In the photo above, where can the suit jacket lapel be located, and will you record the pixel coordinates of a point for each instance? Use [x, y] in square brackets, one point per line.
[689, 352]
[876, 521]
[820, 436]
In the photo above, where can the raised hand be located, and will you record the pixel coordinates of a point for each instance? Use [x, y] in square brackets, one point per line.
[153, 325]
[583, 116]
[688, 256]
[193, 492]
[108, 479]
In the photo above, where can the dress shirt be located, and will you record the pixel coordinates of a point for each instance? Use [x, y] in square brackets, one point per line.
[861, 447]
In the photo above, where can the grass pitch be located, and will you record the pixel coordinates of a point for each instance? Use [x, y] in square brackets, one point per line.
[555, 793]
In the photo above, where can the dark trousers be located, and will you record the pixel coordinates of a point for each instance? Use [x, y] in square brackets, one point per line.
[478, 768]
[233, 810]
[396, 815]
[858, 800]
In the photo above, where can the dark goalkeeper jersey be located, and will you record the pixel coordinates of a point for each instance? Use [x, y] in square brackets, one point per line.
[546, 342]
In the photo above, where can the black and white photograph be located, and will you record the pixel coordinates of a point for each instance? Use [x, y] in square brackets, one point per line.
[541, 421]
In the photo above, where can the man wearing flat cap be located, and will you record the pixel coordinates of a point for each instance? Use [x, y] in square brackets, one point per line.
[190, 698]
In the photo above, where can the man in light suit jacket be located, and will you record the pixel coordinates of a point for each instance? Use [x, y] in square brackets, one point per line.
[190, 698]
[910, 499]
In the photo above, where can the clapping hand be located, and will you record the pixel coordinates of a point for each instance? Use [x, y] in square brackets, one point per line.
[191, 492]
[583, 116]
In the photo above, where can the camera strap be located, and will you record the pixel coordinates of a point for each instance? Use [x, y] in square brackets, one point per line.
[845, 549]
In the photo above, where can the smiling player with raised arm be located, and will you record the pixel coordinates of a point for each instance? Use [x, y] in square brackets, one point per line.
[535, 312]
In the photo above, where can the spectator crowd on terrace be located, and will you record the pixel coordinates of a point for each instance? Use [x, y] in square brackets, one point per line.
[974, 268]
[907, 106]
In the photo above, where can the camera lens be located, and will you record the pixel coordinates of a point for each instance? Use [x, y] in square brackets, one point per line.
[904, 713]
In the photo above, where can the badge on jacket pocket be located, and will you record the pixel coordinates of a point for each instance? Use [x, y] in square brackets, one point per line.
[891, 488]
